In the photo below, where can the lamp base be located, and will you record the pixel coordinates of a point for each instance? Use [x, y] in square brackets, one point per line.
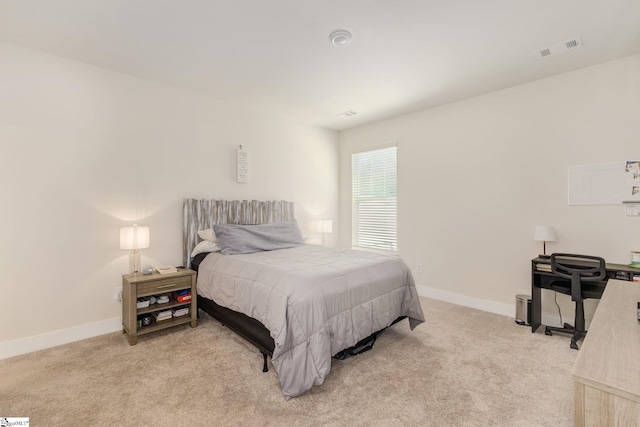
[544, 256]
[134, 262]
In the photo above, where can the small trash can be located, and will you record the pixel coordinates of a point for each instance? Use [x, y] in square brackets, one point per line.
[523, 309]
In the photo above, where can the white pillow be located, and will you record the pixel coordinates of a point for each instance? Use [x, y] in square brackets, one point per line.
[208, 234]
[205, 246]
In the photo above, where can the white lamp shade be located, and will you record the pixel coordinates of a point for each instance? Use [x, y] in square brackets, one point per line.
[134, 237]
[325, 226]
[544, 233]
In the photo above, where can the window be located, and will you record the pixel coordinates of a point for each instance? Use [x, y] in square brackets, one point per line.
[374, 193]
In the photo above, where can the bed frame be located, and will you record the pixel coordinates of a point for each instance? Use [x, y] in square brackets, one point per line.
[203, 214]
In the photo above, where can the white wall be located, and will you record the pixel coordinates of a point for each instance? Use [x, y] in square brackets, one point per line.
[85, 151]
[477, 176]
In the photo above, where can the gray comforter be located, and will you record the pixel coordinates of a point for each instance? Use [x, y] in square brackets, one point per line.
[315, 301]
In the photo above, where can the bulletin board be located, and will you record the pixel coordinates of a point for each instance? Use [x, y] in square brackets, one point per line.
[604, 184]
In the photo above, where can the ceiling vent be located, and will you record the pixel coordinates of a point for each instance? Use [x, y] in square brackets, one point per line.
[560, 47]
[348, 114]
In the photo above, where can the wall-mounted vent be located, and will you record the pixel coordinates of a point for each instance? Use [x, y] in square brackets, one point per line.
[560, 47]
[348, 114]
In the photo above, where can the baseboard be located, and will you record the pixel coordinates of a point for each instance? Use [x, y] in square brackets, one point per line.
[508, 310]
[56, 338]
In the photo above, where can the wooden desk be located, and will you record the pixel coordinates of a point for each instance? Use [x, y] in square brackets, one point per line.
[606, 374]
[543, 279]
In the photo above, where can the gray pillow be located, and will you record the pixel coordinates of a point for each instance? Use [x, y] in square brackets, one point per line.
[246, 239]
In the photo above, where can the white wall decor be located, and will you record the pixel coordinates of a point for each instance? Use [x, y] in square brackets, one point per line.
[242, 165]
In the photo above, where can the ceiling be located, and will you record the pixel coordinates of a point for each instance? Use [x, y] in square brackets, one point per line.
[275, 55]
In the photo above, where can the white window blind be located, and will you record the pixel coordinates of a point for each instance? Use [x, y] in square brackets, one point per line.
[374, 194]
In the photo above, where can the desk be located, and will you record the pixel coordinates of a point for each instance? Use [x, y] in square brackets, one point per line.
[543, 279]
[606, 374]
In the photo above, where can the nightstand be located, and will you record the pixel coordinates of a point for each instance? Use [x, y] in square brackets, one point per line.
[139, 285]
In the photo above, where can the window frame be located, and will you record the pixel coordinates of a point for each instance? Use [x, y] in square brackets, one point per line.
[387, 177]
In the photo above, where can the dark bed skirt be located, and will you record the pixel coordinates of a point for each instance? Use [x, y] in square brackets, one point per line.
[247, 327]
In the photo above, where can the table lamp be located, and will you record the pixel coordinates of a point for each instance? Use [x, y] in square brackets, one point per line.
[134, 238]
[324, 226]
[544, 234]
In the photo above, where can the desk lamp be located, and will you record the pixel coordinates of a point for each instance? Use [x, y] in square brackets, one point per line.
[544, 234]
[134, 238]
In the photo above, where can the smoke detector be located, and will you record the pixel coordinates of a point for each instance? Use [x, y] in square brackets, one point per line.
[340, 37]
[560, 47]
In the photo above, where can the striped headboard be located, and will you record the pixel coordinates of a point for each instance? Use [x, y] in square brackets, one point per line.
[200, 214]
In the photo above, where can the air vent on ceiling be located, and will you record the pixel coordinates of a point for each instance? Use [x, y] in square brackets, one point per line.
[560, 47]
[572, 43]
[348, 114]
[545, 52]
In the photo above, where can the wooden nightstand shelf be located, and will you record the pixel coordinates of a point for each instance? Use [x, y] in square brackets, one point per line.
[139, 285]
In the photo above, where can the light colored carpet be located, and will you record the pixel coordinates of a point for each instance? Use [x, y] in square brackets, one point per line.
[463, 367]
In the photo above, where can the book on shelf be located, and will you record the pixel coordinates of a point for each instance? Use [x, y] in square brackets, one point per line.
[182, 298]
[162, 315]
[180, 311]
[543, 267]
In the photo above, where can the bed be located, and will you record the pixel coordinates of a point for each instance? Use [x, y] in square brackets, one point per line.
[300, 304]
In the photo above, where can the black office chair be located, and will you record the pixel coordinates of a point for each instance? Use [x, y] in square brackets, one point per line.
[582, 270]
